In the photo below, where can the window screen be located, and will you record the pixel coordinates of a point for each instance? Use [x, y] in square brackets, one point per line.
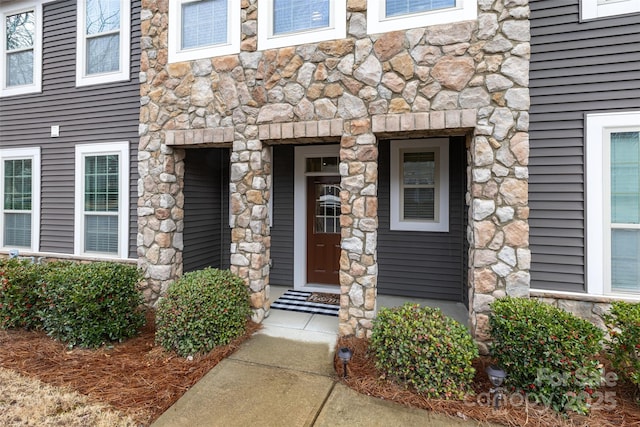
[101, 195]
[20, 40]
[625, 211]
[299, 15]
[405, 7]
[419, 185]
[204, 23]
[17, 202]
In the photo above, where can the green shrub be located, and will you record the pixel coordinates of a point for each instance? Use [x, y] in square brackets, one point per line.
[88, 305]
[202, 310]
[623, 324]
[424, 349]
[548, 353]
[19, 302]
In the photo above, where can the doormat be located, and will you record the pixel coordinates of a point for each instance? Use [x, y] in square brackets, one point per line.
[300, 301]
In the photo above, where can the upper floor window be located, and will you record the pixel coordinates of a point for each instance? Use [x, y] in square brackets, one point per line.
[20, 198]
[103, 41]
[21, 49]
[203, 29]
[592, 9]
[293, 22]
[393, 15]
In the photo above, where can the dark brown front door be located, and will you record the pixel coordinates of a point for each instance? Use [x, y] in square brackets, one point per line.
[323, 229]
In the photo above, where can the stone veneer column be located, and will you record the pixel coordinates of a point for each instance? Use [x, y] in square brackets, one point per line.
[250, 240]
[499, 254]
[359, 227]
[160, 214]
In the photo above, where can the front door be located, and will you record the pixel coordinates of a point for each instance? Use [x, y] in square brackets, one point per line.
[323, 229]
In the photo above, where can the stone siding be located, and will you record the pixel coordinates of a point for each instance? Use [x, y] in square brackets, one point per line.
[587, 307]
[467, 78]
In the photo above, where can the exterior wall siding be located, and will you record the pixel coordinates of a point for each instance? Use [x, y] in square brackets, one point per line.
[281, 272]
[91, 114]
[576, 68]
[205, 224]
[421, 264]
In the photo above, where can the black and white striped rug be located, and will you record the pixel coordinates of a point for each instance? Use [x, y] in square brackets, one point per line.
[297, 301]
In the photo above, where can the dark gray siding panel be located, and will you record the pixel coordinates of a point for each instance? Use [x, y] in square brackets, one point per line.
[282, 230]
[576, 68]
[205, 222]
[420, 264]
[225, 262]
[91, 114]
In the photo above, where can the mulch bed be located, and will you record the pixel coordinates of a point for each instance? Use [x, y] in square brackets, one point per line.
[143, 380]
[364, 378]
[136, 377]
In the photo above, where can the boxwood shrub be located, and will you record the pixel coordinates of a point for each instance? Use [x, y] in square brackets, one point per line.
[19, 301]
[201, 310]
[88, 305]
[623, 324]
[422, 348]
[547, 352]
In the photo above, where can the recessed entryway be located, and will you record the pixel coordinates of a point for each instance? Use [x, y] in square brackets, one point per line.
[317, 218]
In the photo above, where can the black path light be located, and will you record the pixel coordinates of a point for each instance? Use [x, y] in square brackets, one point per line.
[344, 353]
[496, 376]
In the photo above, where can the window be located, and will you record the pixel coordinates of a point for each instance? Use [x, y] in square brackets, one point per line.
[203, 29]
[420, 185]
[592, 9]
[21, 49]
[613, 203]
[393, 15]
[20, 202]
[293, 22]
[103, 41]
[102, 199]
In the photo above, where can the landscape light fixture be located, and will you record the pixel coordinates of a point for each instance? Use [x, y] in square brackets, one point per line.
[344, 353]
[496, 376]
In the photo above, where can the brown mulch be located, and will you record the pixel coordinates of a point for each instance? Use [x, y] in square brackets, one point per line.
[363, 377]
[142, 380]
[136, 377]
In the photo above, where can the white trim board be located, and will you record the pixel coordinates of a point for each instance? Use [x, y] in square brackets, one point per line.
[300, 215]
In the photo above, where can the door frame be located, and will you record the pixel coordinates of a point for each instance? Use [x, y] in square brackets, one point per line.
[302, 153]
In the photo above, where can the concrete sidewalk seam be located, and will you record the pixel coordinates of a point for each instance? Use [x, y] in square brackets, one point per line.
[324, 402]
[282, 368]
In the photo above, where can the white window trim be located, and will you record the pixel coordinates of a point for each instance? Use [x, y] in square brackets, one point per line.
[441, 224]
[175, 33]
[32, 153]
[598, 239]
[593, 9]
[123, 74]
[36, 86]
[123, 151]
[337, 28]
[377, 22]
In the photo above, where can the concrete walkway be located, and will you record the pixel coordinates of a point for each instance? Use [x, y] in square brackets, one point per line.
[276, 381]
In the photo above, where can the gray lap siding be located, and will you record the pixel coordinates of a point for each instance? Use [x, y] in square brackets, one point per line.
[206, 213]
[91, 114]
[576, 68]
